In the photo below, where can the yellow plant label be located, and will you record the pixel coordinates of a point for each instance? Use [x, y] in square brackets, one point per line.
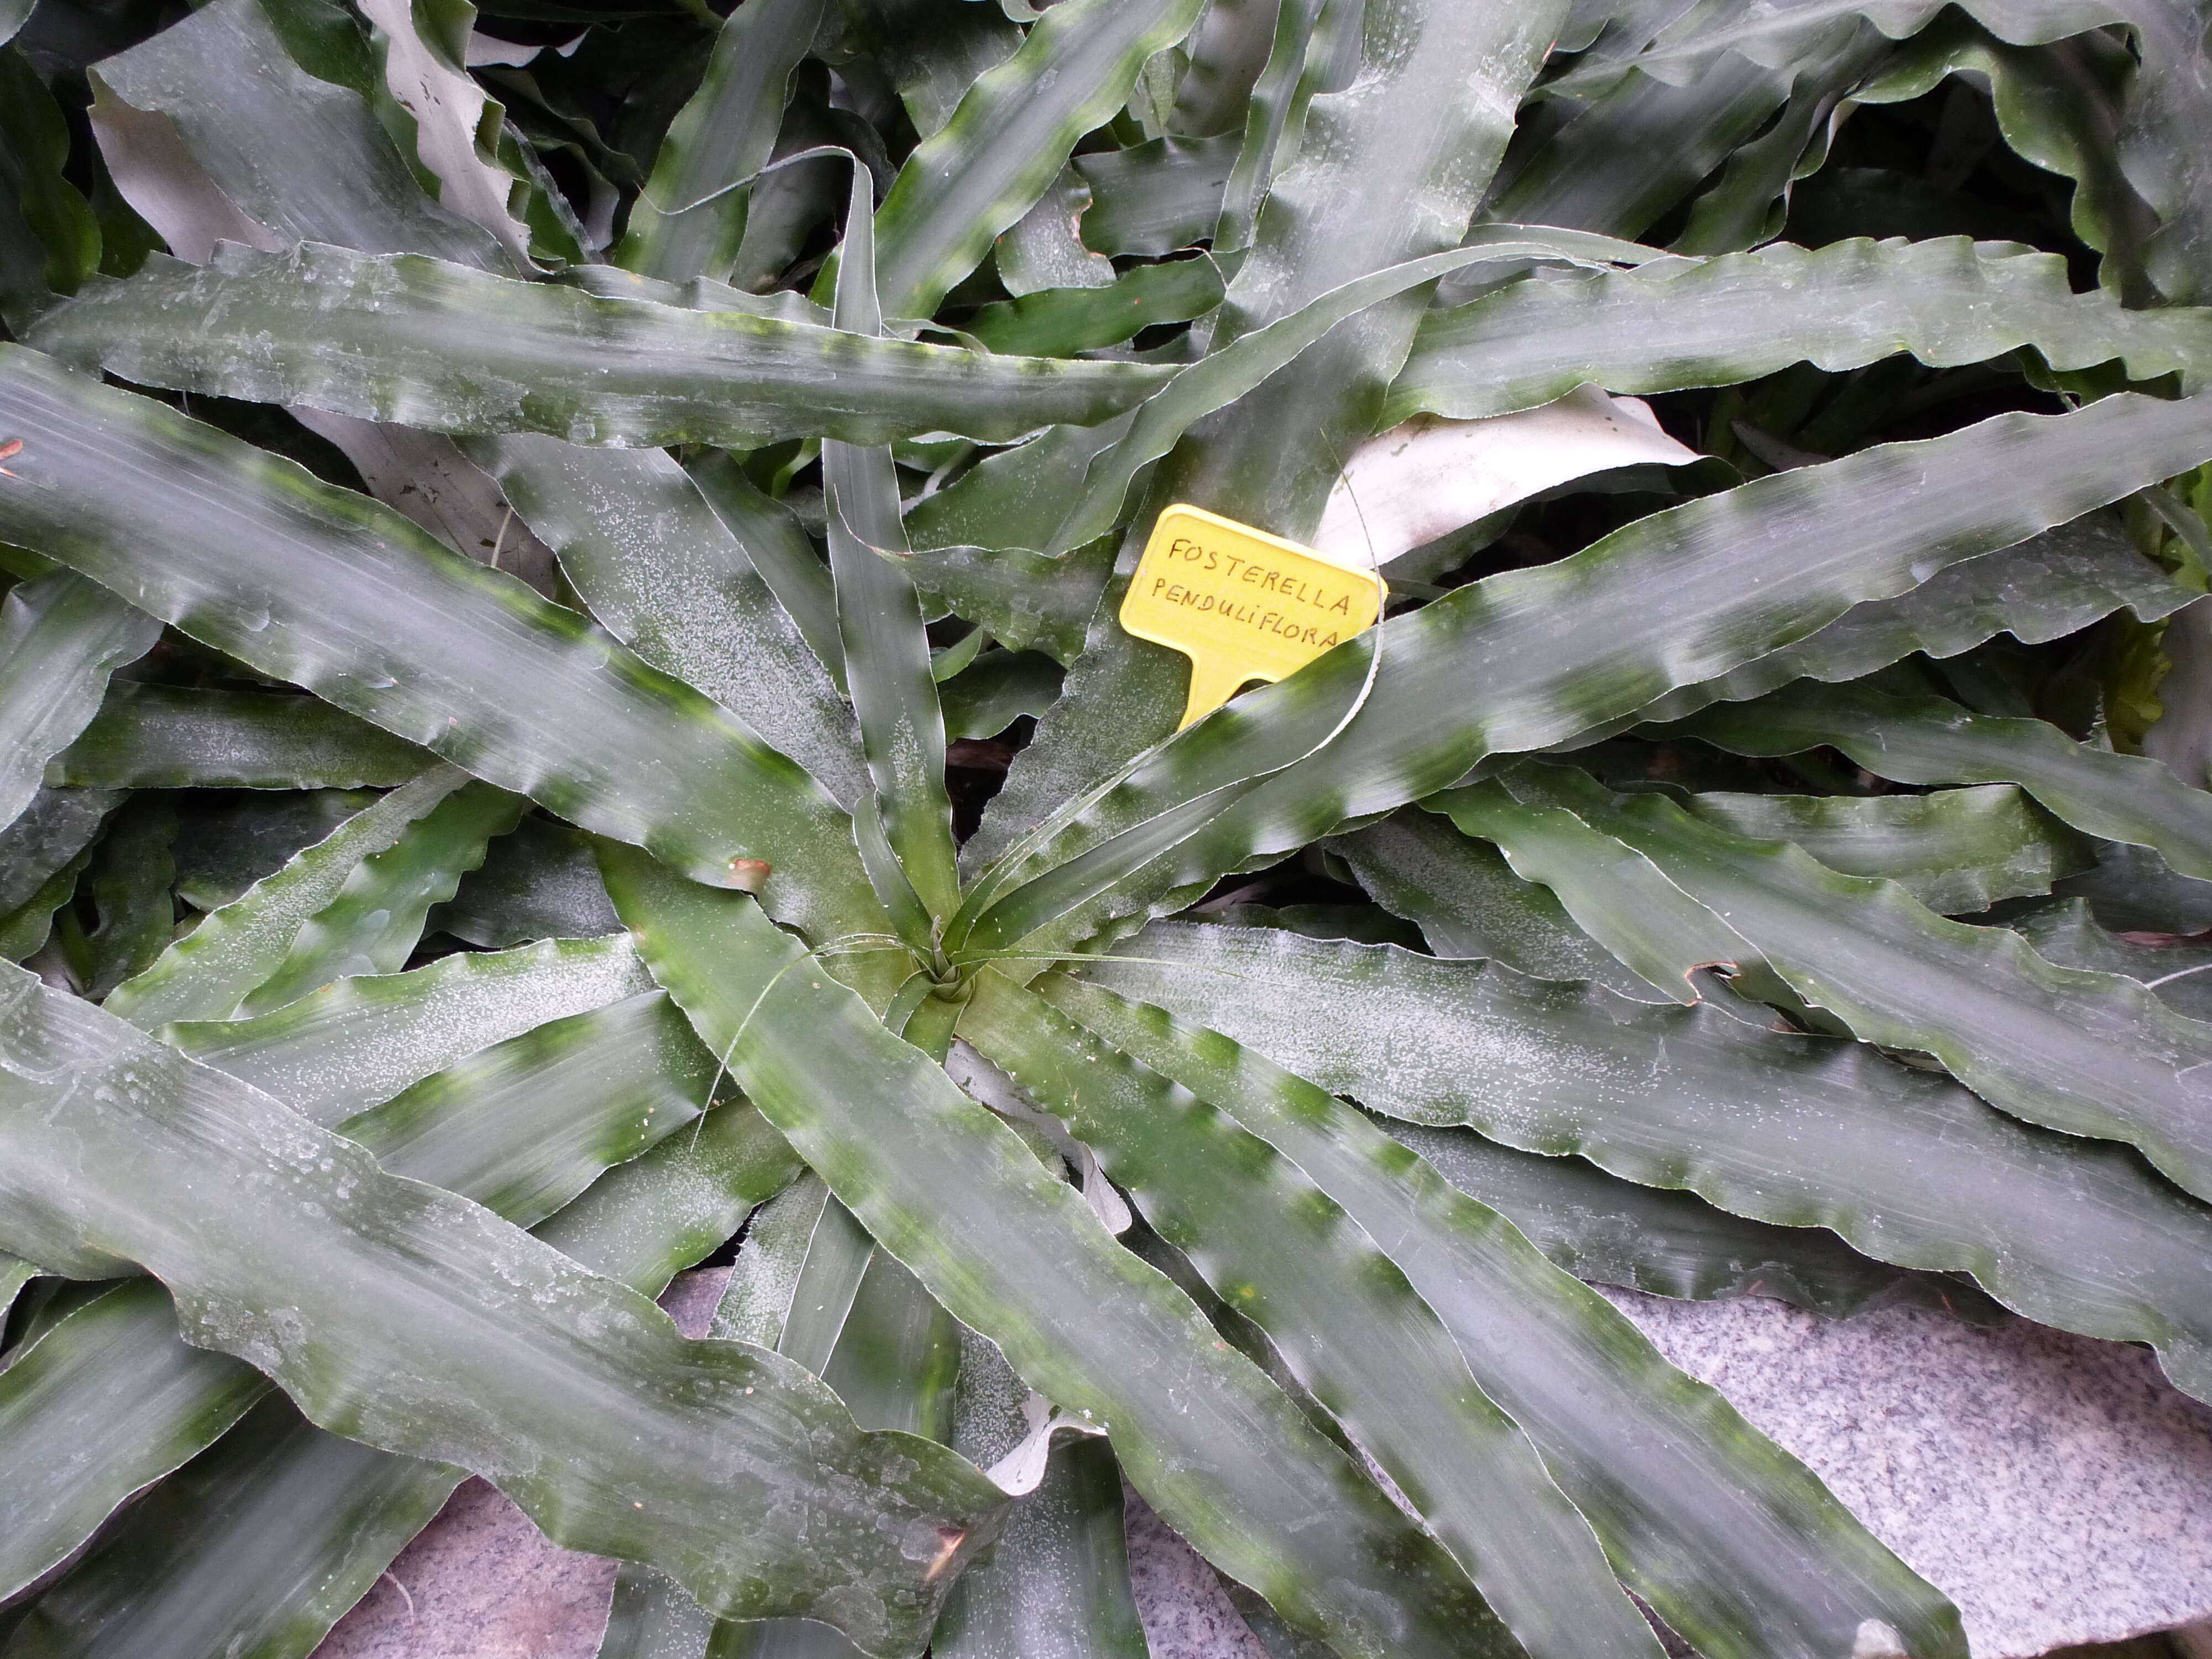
[1242, 605]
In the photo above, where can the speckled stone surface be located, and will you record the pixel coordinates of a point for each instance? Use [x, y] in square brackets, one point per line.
[1186, 1612]
[2055, 1487]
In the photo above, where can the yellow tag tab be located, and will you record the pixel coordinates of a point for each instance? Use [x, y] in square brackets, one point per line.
[1242, 605]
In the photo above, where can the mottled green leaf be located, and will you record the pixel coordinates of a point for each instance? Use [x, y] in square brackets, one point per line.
[1155, 198]
[81, 1171]
[61, 637]
[665, 574]
[1956, 851]
[292, 140]
[1061, 321]
[180, 737]
[1669, 1242]
[1677, 596]
[1928, 741]
[358, 1042]
[1467, 901]
[1796, 1130]
[1223, 1455]
[687, 221]
[1733, 1540]
[241, 948]
[2041, 589]
[1671, 324]
[441, 346]
[2087, 1054]
[540, 882]
[370, 612]
[1283, 1252]
[279, 1527]
[1007, 141]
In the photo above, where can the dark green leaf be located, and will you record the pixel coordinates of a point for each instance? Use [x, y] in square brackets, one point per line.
[177, 736]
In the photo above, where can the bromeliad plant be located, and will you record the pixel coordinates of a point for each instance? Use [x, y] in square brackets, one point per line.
[568, 595]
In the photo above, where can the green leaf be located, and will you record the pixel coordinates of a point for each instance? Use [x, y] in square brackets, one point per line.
[1229, 49]
[1673, 323]
[1223, 1456]
[1407, 152]
[1928, 741]
[1041, 250]
[781, 551]
[1056, 1584]
[2066, 932]
[242, 947]
[2057, 105]
[591, 1090]
[984, 700]
[1732, 1540]
[1606, 1230]
[819, 1292]
[2087, 1054]
[295, 145]
[49, 238]
[595, 1089]
[174, 1576]
[359, 1041]
[1060, 322]
[687, 221]
[441, 346]
[1795, 1130]
[1467, 901]
[447, 127]
[103, 1388]
[1030, 601]
[1239, 368]
[1282, 1252]
[131, 880]
[24, 930]
[1007, 141]
[374, 922]
[665, 574]
[933, 49]
[1677, 596]
[320, 586]
[1625, 156]
[280, 1527]
[905, 828]
[540, 882]
[1156, 198]
[1958, 851]
[1655, 929]
[2041, 589]
[57, 826]
[1314, 39]
[61, 637]
[536, 1360]
[2169, 102]
[178, 737]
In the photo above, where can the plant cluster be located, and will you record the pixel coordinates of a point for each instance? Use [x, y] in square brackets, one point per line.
[565, 714]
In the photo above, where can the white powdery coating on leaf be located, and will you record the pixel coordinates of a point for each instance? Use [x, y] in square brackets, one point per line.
[356, 1043]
